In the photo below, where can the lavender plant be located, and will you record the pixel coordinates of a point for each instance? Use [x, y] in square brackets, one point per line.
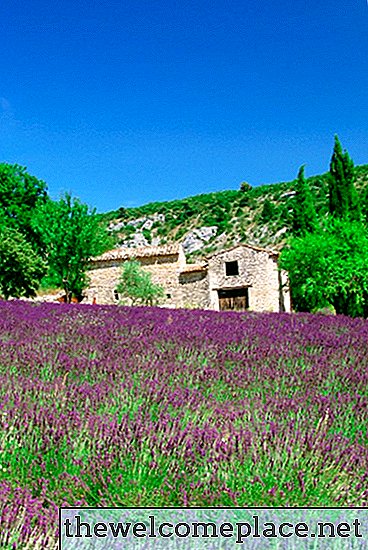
[114, 406]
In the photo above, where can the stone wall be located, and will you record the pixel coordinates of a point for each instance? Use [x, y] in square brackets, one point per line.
[194, 289]
[285, 298]
[104, 278]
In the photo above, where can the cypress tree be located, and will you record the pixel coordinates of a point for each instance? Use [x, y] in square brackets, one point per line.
[304, 212]
[343, 198]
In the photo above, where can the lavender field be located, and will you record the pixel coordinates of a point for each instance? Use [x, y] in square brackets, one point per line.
[108, 406]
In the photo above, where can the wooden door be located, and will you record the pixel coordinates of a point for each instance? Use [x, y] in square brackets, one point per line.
[236, 299]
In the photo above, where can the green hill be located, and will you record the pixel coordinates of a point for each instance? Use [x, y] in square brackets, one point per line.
[205, 223]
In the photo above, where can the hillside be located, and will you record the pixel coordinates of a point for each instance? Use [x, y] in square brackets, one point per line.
[206, 223]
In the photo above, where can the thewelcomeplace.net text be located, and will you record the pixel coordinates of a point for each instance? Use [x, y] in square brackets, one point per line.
[237, 531]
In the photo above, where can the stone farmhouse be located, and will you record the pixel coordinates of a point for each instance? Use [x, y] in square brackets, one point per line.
[239, 278]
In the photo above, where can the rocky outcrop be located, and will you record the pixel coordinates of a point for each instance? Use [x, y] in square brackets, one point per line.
[136, 240]
[146, 222]
[197, 239]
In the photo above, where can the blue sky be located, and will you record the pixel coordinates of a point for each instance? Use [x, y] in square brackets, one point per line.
[130, 101]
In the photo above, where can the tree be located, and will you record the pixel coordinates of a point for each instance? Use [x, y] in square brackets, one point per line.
[21, 269]
[304, 213]
[20, 195]
[364, 204]
[343, 198]
[136, 284]
[245, 187]
[72, 234]
[329, 268]
[268, 211]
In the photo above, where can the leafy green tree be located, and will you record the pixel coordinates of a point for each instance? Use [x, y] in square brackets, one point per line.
[20, 195]
[343, 197]
[329, 268]
[21, 269]
[72, 234]
[136, 285]
[304, 213]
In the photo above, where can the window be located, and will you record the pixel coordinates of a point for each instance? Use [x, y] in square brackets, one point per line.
[231, 268]
[168, 296]
[116, 295]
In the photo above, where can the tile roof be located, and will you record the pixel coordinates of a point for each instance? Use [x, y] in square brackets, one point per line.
[192, 268]
[125, 253]
[251, 246]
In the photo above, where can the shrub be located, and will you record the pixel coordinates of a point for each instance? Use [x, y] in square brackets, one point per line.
[136, 285]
